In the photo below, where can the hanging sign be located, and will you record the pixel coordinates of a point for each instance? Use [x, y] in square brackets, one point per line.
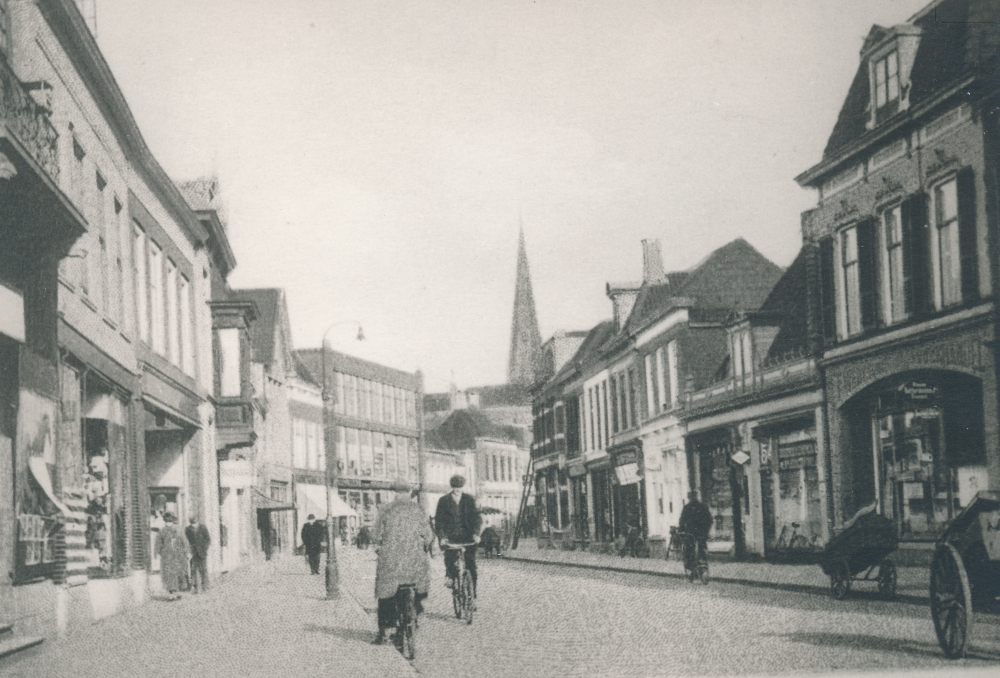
[740, 457]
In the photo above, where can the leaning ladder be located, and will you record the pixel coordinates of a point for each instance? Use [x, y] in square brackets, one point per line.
[525, 494]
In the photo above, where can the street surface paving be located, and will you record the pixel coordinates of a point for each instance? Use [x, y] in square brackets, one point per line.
[533, 619]
[540, 619]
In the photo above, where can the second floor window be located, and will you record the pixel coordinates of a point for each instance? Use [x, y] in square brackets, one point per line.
[916, 258]
[947, 259]
[893, 276]
[229, 362]
[850, 281]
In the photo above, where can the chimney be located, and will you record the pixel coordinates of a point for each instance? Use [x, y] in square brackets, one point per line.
[652, 262]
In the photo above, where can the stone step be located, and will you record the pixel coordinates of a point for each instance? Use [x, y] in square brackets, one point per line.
[10, 645]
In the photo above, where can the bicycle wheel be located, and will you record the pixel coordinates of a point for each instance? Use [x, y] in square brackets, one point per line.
[887, 577]
[467, 595]
[456, 599]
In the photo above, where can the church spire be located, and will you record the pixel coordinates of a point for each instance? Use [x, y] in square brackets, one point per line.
[525, 338]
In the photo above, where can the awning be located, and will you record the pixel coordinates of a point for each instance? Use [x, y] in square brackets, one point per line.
[41, 474]
[312, 499]
[266, 503]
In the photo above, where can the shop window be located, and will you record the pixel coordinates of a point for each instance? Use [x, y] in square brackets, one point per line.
[39, 523]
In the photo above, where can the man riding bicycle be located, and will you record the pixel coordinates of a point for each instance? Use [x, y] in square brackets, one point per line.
[402, 539]
[696, 520]
[458, 522]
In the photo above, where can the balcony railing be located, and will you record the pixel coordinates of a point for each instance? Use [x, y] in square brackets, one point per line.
[28, 121]
[769, 377]
[234, 421]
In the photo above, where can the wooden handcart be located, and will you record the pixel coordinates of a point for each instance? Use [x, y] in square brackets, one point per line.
[965, 572]
[859, 553]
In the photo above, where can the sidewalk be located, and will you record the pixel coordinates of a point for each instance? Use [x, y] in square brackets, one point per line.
[264, 619]
[911, 584]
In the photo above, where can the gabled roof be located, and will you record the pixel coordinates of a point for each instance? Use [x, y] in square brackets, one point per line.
[303, 372]
[272, 319]
[789, 304]
[589, 350]
[959, 38]
[460, 430]
[735, 277]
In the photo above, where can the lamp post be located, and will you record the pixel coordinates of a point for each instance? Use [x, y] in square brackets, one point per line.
[332, 572]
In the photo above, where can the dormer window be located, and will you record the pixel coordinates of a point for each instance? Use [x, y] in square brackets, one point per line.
[886, 86]
[889, 54]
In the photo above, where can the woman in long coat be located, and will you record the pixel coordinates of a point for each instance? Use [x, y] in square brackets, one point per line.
[171, 546]
[402, 537]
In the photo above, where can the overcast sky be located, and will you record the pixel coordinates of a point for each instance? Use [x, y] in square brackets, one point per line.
[377, 158]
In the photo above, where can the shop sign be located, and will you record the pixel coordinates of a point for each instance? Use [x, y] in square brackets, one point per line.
[740, 457]
[917, 391]
[627, 474]
[235, 473]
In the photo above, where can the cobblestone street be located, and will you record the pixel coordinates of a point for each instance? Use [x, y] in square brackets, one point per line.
[534, 619]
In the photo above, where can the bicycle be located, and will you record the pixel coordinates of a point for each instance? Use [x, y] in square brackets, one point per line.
[695, 557]
[791, 541]
[463, 598]
[406, 621]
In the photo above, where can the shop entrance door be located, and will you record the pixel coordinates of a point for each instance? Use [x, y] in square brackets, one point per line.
[917, 490]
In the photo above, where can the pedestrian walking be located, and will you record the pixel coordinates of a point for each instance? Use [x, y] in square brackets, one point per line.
[402, 540]
[312, 539]
[172, 550]
[458, 522]
[199, 540]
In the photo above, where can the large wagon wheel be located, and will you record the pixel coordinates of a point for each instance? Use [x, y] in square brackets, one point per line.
[840, 579]
[887, 577]
[951, 601]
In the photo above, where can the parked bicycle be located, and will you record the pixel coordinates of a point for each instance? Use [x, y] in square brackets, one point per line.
[633, 544]
[463, 597]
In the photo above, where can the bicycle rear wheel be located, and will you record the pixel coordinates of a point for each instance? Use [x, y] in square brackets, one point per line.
[468, 597]
[456, 599]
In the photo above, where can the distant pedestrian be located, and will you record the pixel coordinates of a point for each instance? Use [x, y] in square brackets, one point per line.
[312, 538]
[199, 540]
[172, 550]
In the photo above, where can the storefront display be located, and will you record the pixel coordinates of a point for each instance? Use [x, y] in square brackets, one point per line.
[927, 448]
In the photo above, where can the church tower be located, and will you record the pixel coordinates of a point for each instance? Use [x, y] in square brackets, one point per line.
[525, 337]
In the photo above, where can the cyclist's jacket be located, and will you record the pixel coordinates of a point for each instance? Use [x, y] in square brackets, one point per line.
[458, 522]
[402, 534]
[696, 519]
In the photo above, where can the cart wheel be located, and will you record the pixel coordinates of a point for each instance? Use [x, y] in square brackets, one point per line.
[951, 601]
[887, 576]
[840, 580]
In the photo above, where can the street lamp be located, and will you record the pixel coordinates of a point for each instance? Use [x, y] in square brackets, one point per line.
[332, 572]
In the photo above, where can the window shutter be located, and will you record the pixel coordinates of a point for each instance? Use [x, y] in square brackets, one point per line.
[828, 306]
[868, 273]
[916, 262]
[967, 234]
